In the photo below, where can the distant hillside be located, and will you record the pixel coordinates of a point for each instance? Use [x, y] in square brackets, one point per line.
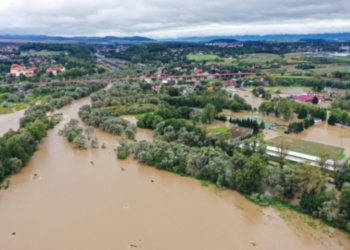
[223, 41]
[279, 37]
[310, 40]
[78, 39]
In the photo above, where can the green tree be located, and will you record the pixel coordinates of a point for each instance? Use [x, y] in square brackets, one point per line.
[315, 100]
[22, 78]
[285, 108]
[332, 120]
[196, 116]
[282, 147]
[15, 165]
[306, 179]
[209, 113]
[38, 129]
[249, 179]
[344, 214]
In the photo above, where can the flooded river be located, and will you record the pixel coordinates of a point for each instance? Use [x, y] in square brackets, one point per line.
[78, 205]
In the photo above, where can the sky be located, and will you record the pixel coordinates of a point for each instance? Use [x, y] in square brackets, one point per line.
[172, 19]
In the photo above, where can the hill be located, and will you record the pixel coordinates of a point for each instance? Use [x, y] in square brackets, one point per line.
[223, 41]
[77, 39]
[341, 37]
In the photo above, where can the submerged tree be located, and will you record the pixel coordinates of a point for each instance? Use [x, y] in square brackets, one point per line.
[88, 132]
[94, 142]
[71, 130]
[80, 142]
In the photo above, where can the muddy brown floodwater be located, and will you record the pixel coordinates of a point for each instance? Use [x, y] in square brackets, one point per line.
[9, 121]
[74, 204]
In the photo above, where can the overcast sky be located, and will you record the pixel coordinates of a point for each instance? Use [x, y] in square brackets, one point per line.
[176, 18]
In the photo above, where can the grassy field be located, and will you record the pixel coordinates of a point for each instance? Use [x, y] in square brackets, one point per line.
[307, 147]
[203, 57]
[260, 58]
[14, 107]
[339, 59]
[290, 76]
[328, 69]
[42, 53]
[221, 129]
[211, 59]
[295, 58]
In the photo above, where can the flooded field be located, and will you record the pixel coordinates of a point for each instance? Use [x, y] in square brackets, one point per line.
[83, 200]
[250, 98]
[321, 132]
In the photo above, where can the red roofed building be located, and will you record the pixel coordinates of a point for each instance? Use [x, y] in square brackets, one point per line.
[30, 72]
[55, 69]
[157, 88]
[17, 70]
[198, 71]
[307, 98]
[210, 89]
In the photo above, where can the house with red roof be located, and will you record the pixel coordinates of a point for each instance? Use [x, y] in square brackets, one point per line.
[210, 89]
[198, 71]
[17, 70]
[156, 88]
[307, 97]
[55, 69]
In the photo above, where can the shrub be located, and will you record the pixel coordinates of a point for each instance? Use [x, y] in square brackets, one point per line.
[122, 154]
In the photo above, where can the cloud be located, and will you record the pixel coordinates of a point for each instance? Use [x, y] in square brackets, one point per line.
[161, 19]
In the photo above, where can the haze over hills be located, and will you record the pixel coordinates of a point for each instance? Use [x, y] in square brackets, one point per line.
[341, 37]
[76, 39]
[277, 37]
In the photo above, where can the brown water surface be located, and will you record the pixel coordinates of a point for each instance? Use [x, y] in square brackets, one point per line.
[83, 200]
[9, 121]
